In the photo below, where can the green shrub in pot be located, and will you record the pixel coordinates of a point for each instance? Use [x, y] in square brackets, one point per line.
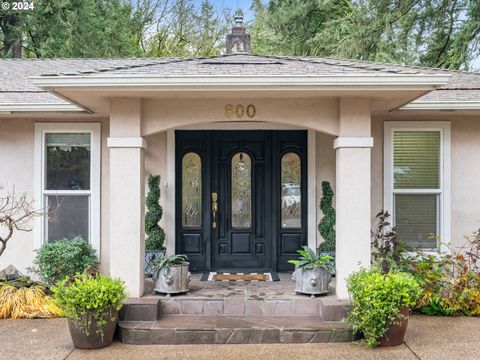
[91, 304]
[378, 300]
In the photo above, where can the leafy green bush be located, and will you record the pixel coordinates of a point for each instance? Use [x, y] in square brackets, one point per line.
[309, 260]
[66, 257]
[377, 300]
[155, 234]
[84, 297]
[326, 227]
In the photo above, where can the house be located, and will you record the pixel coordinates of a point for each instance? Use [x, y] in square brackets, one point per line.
[250, 136]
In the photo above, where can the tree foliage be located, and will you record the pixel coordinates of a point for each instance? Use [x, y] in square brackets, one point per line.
[436, 33]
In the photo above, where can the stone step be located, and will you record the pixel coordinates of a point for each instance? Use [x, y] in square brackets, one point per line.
[171, 329]
[329, 308]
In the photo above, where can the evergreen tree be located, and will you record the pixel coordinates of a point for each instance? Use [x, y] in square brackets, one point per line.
[326, 227]
[155, 234]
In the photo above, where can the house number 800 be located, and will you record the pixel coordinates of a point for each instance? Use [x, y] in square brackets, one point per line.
[240, 111]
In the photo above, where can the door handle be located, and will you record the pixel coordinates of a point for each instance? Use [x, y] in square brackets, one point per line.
[214, 209]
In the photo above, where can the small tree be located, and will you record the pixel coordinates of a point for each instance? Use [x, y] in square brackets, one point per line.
[16, 213]
[155, 234]
[326, 227]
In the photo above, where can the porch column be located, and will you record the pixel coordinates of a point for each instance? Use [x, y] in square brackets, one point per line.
[352, 190]
[127, 194]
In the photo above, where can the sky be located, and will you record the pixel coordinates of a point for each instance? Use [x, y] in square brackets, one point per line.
[234, 5]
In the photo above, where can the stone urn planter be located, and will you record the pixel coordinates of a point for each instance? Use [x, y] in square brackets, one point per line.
[312, 281]
[172, 275]
[93, 335]
[312, 272]
[396, 333]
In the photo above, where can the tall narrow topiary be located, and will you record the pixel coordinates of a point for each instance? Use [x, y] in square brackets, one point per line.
[155, 234]
[326, 227]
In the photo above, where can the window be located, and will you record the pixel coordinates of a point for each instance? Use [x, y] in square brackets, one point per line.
[68, 180]
[191, 190]
[241, 191]
[417, 181]
[291, 191]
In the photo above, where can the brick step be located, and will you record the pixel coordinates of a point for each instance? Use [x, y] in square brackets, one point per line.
[329, 308]
[171, 329]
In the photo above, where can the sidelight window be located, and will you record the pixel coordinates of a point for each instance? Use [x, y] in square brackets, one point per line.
[191, 190]
[291, 191]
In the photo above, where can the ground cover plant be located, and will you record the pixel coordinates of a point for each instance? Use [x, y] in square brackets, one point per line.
[24, 298]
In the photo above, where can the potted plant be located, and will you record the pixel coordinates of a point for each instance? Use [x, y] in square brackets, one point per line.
[171, 274]
[312, 272]
[154, 243]
[91, 304]
[381, 304]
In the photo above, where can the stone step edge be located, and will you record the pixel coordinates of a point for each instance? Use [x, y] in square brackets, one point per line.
[242, 335]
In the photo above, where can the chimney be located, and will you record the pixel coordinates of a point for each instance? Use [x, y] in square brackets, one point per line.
[238, 41]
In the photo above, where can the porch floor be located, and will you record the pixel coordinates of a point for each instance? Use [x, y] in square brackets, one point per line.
[253, 290]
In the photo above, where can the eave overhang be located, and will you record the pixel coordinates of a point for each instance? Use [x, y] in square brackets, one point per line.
[442, 105]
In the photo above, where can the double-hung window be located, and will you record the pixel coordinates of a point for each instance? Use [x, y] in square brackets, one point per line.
[68, 181]
[417, 181]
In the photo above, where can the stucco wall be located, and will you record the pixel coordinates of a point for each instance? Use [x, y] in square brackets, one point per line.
[16, 169]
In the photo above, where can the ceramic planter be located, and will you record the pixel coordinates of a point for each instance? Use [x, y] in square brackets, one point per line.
[396, 333]
[93, 336]
[173, 281]
[312, 281]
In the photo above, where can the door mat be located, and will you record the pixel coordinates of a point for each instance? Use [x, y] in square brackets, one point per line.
[214, 276]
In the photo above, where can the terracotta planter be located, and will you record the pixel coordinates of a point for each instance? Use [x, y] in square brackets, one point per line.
[94, 339]
[395, 335]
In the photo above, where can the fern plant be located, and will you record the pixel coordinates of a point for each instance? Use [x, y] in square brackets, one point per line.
[166, 262]
[155, 234]
[310, 260]
[326, 227]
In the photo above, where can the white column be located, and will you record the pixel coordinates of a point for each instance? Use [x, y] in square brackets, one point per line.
[352, 191]
[127, 195]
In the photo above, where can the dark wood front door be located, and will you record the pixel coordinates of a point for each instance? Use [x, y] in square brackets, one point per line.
[241, 203]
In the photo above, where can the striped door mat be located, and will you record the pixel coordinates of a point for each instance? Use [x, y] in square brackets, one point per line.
[218, 276]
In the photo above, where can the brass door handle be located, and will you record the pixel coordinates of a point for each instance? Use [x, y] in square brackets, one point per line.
[214, 210]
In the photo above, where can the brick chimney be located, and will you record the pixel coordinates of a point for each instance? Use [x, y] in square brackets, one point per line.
[238, 41]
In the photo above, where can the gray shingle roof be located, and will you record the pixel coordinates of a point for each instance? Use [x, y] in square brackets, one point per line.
[16, 86]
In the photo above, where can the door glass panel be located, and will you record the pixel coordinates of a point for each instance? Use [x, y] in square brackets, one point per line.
[291, 192]
[241, 191]
[191, 190]
[67, 161]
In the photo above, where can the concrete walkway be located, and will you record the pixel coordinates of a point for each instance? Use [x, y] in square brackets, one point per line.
[427, 338]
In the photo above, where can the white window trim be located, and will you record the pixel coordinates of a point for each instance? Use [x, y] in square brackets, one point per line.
[445, 172]
[39, 177]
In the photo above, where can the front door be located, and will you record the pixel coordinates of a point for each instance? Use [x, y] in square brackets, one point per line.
[240, 198]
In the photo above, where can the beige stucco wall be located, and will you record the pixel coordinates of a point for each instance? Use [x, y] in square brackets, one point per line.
[17, 169]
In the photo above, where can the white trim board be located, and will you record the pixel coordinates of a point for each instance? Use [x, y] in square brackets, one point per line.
[442, 105]
[42, 107]
[445, 212]
[95, 178]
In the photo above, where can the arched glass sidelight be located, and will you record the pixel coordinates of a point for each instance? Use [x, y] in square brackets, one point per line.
[191, 190]
[291, 191]
[241, 191]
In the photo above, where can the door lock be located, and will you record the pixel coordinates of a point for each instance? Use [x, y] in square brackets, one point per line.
[214, 210]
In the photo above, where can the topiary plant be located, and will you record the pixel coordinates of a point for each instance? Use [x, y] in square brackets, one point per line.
[54, 261]
[326, 227]
[155, 234]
